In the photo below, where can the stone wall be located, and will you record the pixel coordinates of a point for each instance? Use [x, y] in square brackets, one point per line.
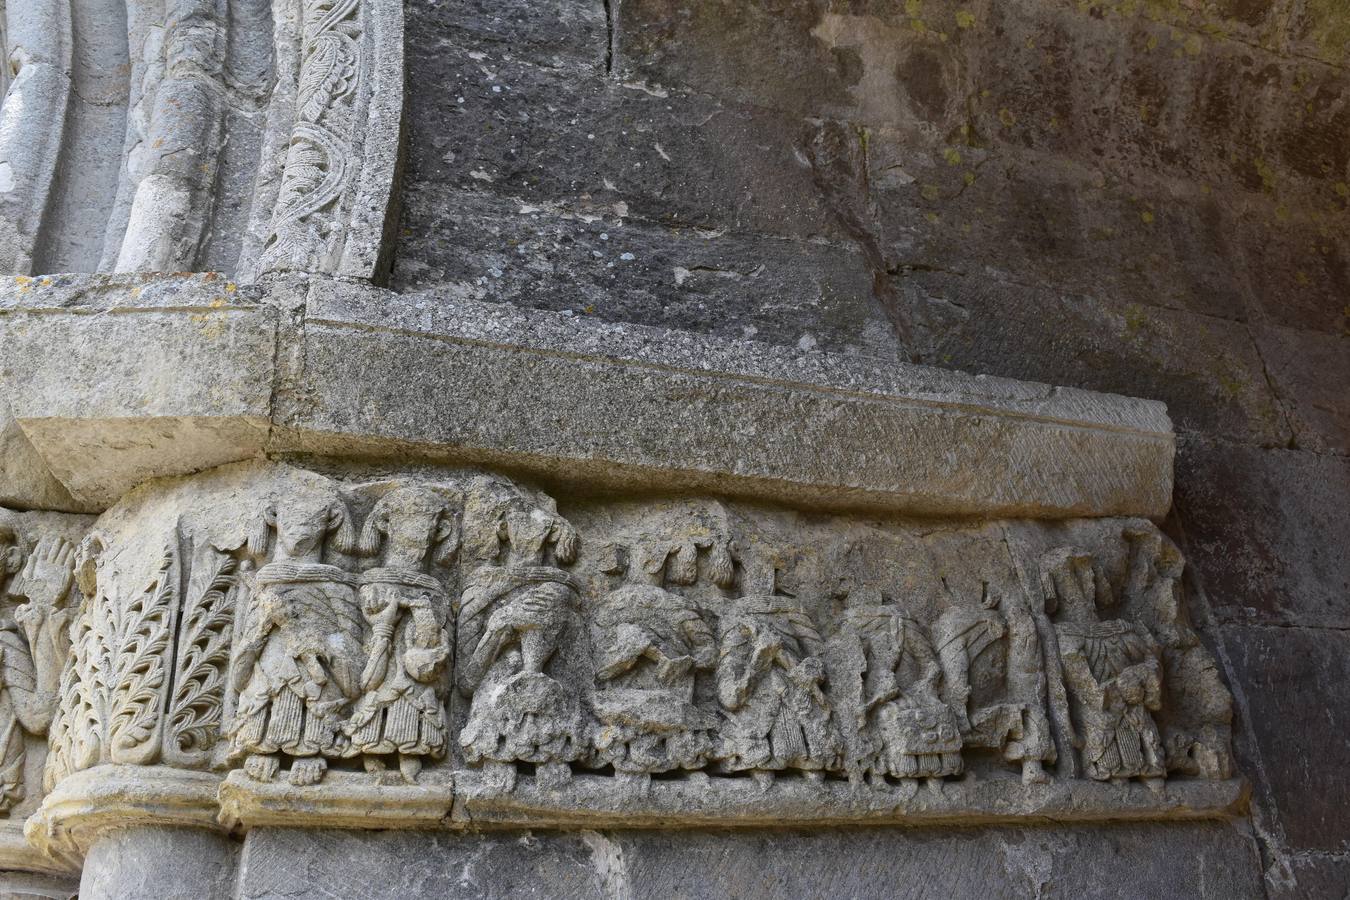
[731, 320]
[1145, 197]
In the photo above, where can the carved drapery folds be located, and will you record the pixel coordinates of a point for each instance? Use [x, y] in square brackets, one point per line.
[462, 642]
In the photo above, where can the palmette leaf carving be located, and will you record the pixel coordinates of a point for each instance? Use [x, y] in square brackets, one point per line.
[138, 639]
[195, 705]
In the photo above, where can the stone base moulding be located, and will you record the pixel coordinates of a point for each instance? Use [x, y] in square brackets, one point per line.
[87, 804]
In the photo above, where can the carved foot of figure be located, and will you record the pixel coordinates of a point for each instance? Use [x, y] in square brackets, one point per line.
[1034, 773]
[308, 770]
[763, 778]
[934, 786]
[373, 764]
[409, 767]
[638, 783]
[1156, 785]
[815, 776]
[499, 777]
[262, 768]
[553, 776]
[877, 780]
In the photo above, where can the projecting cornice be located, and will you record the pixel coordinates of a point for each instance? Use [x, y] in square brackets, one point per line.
[119, 379]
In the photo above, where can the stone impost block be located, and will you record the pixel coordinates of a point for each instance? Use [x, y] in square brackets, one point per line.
[174, 374]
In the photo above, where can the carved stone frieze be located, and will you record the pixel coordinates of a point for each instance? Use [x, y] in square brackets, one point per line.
[432, 649]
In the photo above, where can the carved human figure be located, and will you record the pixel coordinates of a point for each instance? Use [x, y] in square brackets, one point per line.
[513, 616]
[650, 643]
[886, 677]
[34, 642]
[994, 679]
[402, 705]
[1112, 670]
[770, 682]
[297, 659]
[1201, 743]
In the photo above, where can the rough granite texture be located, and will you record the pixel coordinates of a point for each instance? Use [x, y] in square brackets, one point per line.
[1142, 197]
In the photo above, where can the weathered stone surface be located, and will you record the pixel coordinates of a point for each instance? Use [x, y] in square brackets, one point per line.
[567, 399]
[172, 863]
[31, 886]
[1248, 514]
[1309, 372]
[1207, 370]
[159, 376]
[1211, 861]
[1292, 679]
[26, 481]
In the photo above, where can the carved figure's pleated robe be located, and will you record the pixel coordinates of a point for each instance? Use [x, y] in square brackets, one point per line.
[1113, 671]
[773, 722]
[648, 721]
[20, 681]
[303, 627]
[510, 624]
[402, 710]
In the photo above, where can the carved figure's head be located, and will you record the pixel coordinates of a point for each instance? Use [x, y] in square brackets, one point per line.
[529, 532]
[302, 524]
[11, 547]
[409, 522]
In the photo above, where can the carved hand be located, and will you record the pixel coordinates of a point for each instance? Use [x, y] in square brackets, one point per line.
[49, 572]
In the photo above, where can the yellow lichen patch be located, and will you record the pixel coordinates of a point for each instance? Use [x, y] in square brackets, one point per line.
[913, 8]
[930, 192]
[952, 156]
[1342, 189]
[1135, 318]
[1267, 174]
[968, 178]
[965, 19]
[932, 217]
[1147, 216]
[1302, 277]
[1193, 45]
[1006, 117]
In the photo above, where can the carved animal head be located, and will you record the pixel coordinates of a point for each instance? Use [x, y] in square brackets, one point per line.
[411, 521]
[302, 523]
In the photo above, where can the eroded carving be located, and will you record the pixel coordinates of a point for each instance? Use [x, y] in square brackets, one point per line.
[770, 682]
[1113, 671]
[36, 585]
[402, 708]
[297, 659]
[994, 679]
[650, 644]
[886, 681]
[514, 614]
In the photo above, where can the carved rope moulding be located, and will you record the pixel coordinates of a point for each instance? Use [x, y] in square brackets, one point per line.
[433, 650]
